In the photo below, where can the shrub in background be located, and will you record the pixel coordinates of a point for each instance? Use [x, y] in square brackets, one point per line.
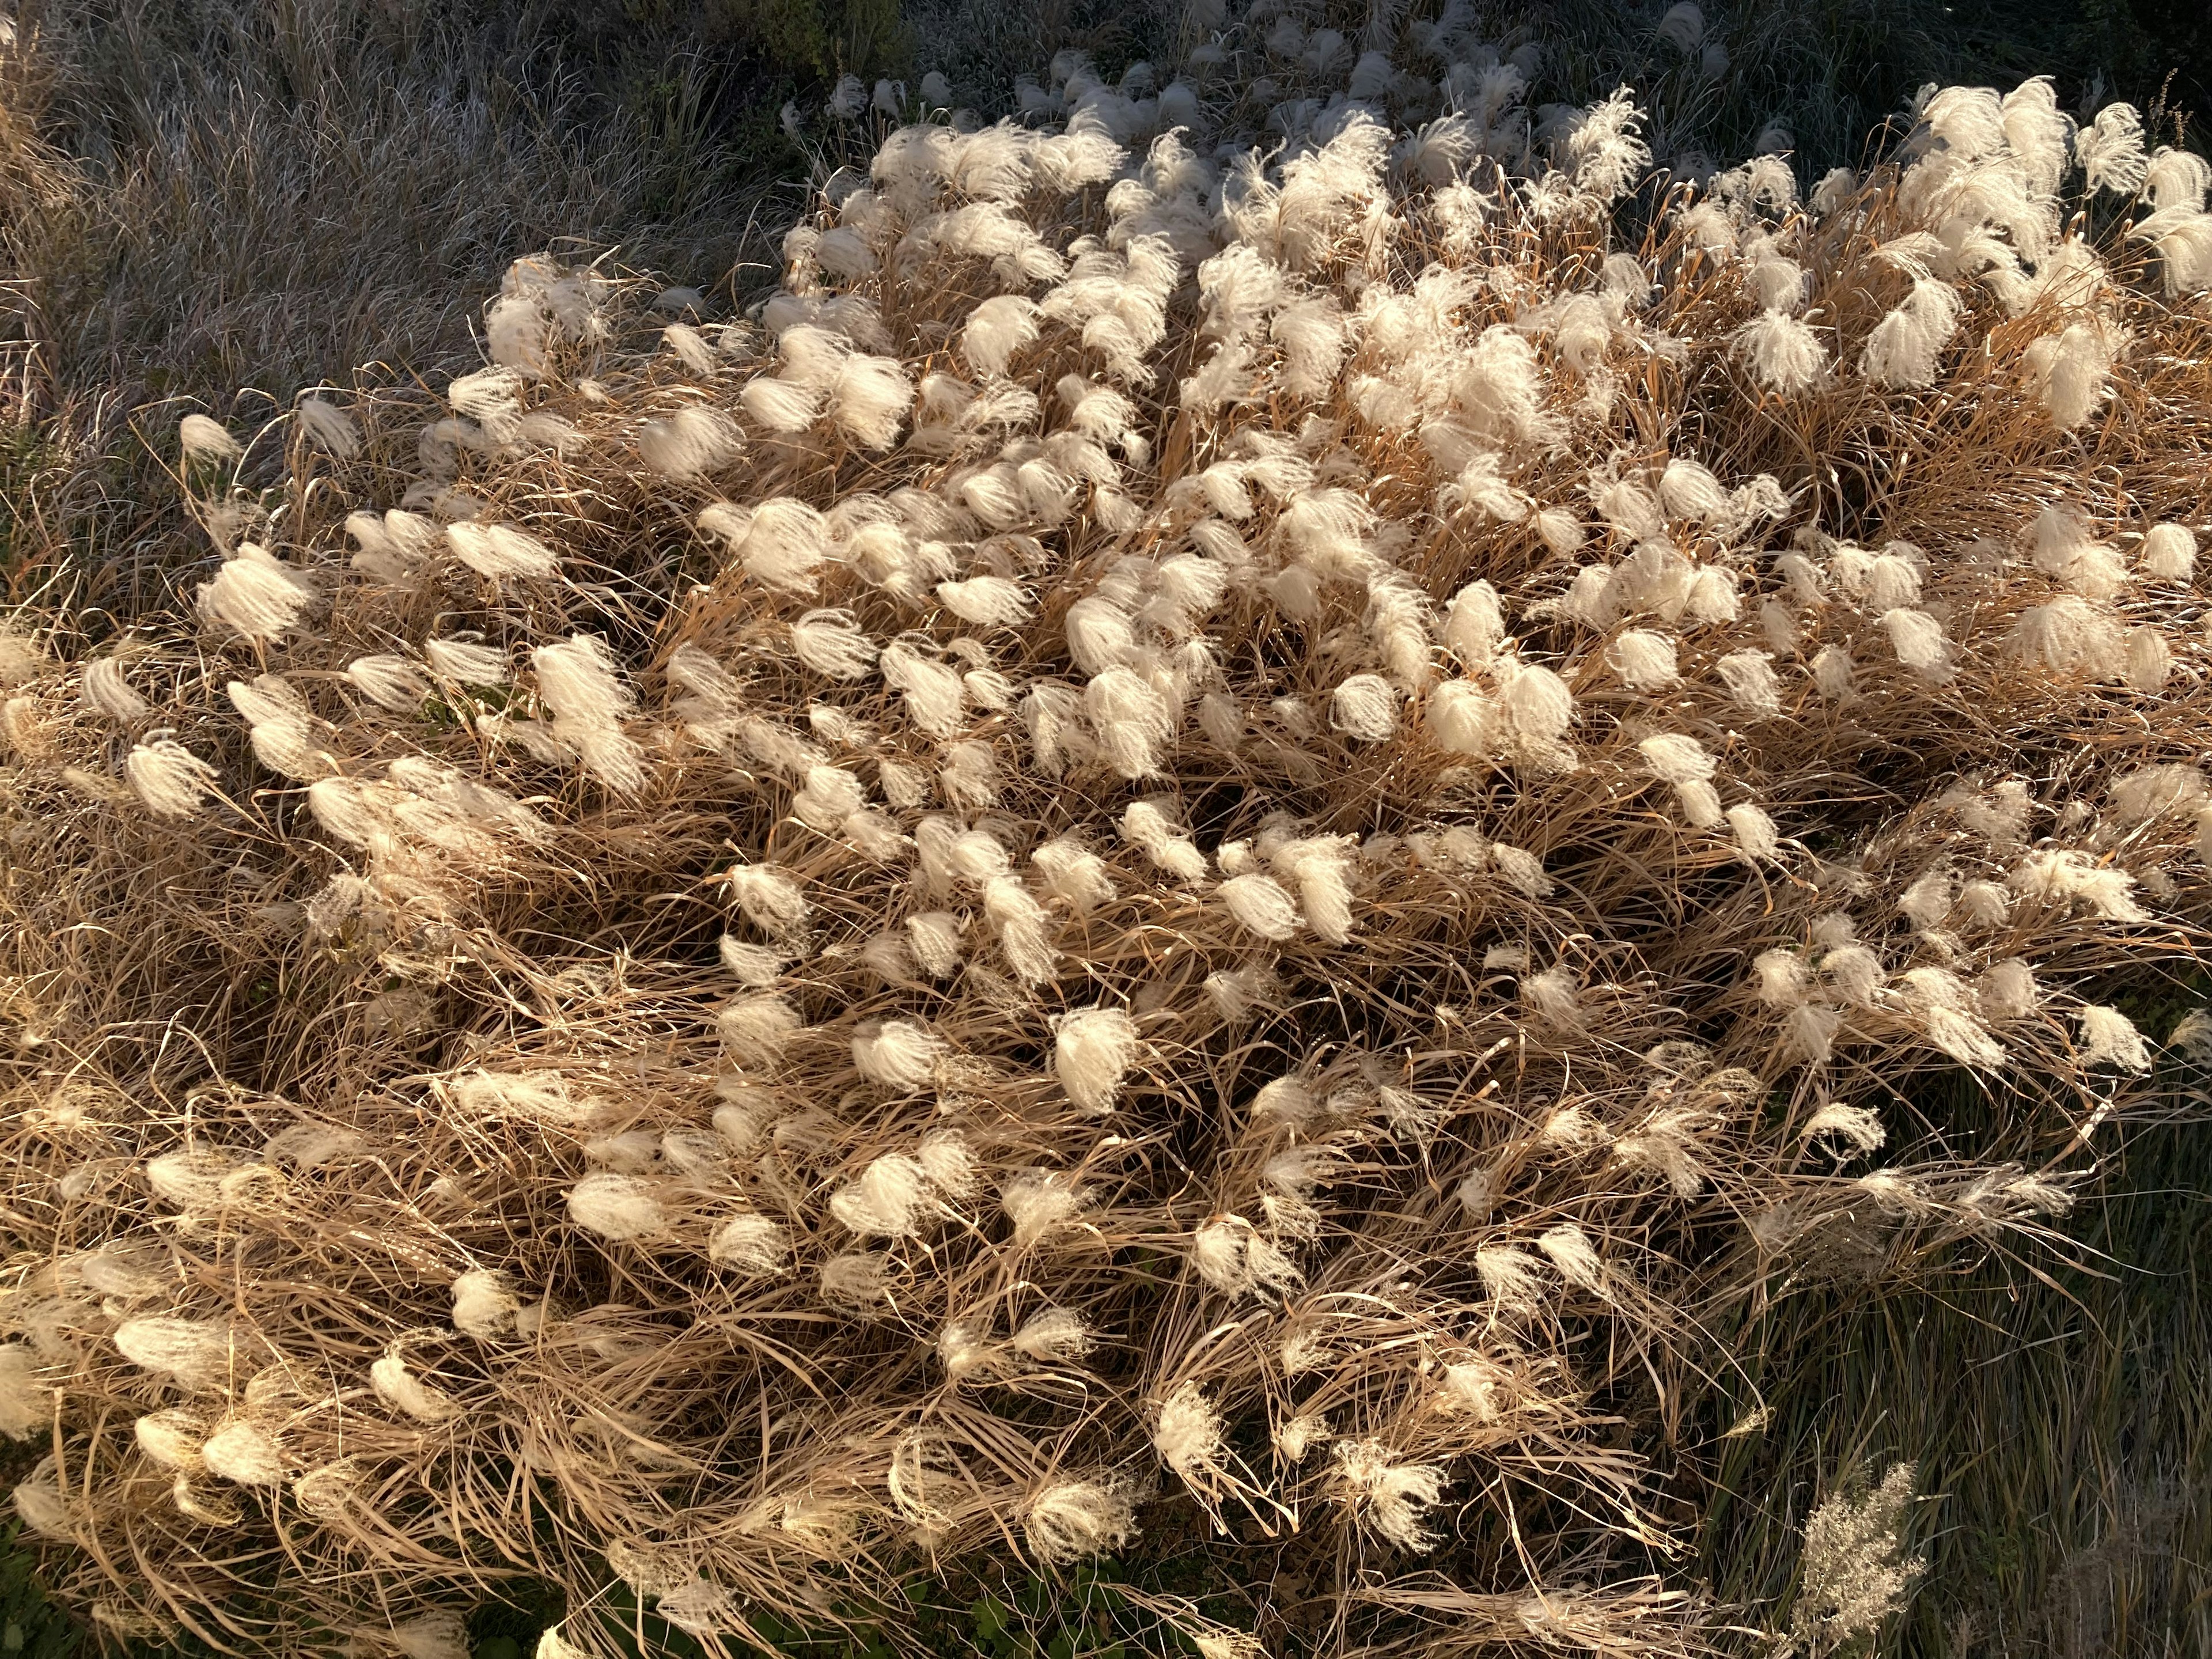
[223, 203]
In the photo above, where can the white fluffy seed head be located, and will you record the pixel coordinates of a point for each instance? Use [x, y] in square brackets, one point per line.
[1645, 660]
[26, 1405]
[578, 680]
[1186, 1433]
[1853, 973]
[2169, 553]
[754, 1029]
[107, 693]
[390, 681]
[1682, 762]
[769, 895]
[1554, 995]
[1475, 624]
[442, 1634]
[1904, 349]
[985, 601]
[2070, 639]
[1572, 1252]
[173, 1437]
[1755, 832]
[1038, 1200]
[1522, 870]
[1676, 759]
[890, 1199]
[1537, 704]
[1751, 681]
[400, 1389]
[1808, 1033]
[484, 1303]
[1781, 977]
[934, 937]
[243, 1452]
[196, 1354]
[898, 1054]
[256, 596]
[1320, 868]
[751, 1245]
[41, 1506]
[1071, 1520]
[616, 1206]
[466, 661]
[782, 543]
[1366, 709]
[1513, 1278]
[1053, 1336]
[2109, 1037]
[829, 642]
[2149, 660]
[754, 965]
[1229, 1254]
[950, 1164]
[1131, 720]
[995, 331]
[204, 440]
[1260, 905]
[690, 443]
[931, 691]
[1093, 1050]
[1024, 930]
[1074, 874]
[1917, 639]
[171, 780]
[2007, 991]
[1856, 1127]
[831, 795]
[2071, 371]
[501, 552]
[2155, 791]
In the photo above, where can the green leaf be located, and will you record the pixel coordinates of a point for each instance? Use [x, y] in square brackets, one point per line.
[990, 1616]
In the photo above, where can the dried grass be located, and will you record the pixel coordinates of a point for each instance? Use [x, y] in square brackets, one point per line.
[1404, 1203]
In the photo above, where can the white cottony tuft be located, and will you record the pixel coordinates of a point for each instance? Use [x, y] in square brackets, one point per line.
[898, 1054]
[1682, 762]
[484, 1303]
[401, 1388]
[1073, 1519]
[256, 595]
[107, 692]
[1262, 905]
[2169, 552]
[204, 440]
[1366, 708]
[690, 443]
[616, 1206]
[2109, 1038]
[751, 1245]
[1093, 1050]
[169, 778]
[1188, 1432]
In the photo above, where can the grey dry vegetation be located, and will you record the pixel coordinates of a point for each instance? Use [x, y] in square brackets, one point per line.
[1856, 1571]
[1248, 812]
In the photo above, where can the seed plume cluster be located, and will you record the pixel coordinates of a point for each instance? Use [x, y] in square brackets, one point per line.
[1289, 772]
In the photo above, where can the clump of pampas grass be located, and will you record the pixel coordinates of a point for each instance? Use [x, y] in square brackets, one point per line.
[1236, 825]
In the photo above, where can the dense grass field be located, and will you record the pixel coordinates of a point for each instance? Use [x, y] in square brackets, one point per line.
[210, 208]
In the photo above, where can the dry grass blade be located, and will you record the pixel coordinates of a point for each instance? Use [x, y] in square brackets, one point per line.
[1259, 832]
